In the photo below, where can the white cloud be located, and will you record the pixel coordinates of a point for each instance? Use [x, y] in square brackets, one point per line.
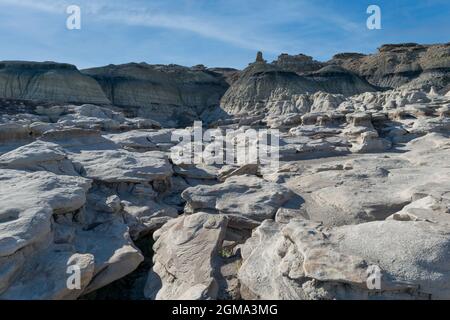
[191, 24]
[247, 24]
[46, 6]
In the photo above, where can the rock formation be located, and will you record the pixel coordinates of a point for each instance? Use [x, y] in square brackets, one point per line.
[259, 57]
[262, 84]
[48, 82]
[300, 63]
[305, 261]
[181, 243]
[422, 66]
[357, 207]
[172, 95]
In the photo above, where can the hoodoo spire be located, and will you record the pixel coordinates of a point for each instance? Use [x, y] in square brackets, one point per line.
[259, 57]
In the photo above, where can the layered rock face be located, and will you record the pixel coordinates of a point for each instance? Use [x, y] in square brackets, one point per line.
[175, 95]
[263, 84]
[230, 74]
[172, 95]
[333, 79]
[48, 82]
[300, 63]
[397, 65]
[258, 82]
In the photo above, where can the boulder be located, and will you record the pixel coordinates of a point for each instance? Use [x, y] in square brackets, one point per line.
[245, 196]
[28, 202]
[304, 260]
[115, 166]
[186, 260]
[39, 156]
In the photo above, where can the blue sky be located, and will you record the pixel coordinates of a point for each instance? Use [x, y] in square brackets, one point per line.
[217, 33]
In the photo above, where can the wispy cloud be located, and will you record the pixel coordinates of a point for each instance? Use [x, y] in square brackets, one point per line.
[213, 32]
[190, 24]
[251, 26]
[46, 6]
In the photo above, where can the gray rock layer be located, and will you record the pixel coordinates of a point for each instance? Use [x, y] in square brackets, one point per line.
[395, 65]
[48, 82]
[169, 94]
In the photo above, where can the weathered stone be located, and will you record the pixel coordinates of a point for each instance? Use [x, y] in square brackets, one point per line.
[28, 202]
[246, 196]
[307, 261]
[186, 258]
[172, 95]
[48, 81]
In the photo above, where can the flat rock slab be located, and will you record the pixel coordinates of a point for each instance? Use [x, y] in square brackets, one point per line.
[123, 166]
[200, 172]
[103, 160]
[373, 187]
[39, 156]
[144, 139]
[245, 196]
[28, 202]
